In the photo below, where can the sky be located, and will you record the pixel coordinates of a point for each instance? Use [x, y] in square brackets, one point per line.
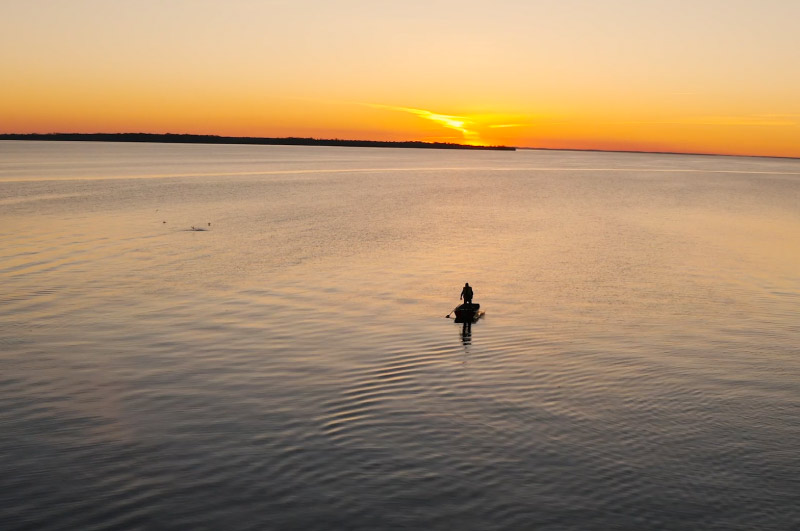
[701, 76]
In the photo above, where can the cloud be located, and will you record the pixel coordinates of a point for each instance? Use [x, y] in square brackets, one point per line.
[762, 120]
[498, 126]
[457, 123]
[756, 120]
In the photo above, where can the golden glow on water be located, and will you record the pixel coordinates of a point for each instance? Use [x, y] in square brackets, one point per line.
[297, 349]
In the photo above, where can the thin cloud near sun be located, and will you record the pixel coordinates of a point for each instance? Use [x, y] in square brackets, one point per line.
[461, 124]
[503, 126]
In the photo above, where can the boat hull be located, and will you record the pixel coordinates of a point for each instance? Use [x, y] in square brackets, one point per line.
[466, 313]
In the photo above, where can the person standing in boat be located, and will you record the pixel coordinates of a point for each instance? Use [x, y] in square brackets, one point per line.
[466, 294]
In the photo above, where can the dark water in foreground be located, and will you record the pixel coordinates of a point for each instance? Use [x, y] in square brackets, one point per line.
[291, 367]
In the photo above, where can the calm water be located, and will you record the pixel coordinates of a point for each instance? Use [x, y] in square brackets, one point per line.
[291, 366]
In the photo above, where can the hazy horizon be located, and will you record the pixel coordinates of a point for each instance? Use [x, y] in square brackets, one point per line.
[391, 141]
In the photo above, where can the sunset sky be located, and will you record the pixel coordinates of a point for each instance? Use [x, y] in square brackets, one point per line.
[713, 76]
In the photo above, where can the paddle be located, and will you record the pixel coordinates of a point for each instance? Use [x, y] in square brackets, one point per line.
[448, 315]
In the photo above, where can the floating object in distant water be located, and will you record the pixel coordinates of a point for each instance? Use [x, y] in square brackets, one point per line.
[198, 229]
[468, 312]
[163, 222]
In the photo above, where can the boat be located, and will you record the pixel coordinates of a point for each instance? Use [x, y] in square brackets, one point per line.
[468, 312]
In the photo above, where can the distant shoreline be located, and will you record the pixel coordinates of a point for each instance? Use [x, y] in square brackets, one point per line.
[170, 138]
[587, 150]
[176, 138]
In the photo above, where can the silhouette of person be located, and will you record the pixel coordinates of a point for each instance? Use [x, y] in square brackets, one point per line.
[466, 294]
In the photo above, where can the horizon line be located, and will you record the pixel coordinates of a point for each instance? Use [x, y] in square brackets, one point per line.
[339, 142]
[195, 138]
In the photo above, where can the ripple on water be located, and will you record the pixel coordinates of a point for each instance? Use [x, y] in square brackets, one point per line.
[291, 368]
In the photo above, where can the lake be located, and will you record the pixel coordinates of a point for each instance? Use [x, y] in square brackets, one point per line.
[290, 366]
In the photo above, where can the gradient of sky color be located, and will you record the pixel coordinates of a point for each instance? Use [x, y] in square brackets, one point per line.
[713, 76]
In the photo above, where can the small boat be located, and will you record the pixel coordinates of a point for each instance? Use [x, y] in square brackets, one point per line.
[468, 313]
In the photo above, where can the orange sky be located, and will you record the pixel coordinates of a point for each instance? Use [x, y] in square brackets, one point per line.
[719, 77]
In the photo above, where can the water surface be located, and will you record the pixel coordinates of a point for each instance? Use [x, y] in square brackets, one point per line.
[290, 366]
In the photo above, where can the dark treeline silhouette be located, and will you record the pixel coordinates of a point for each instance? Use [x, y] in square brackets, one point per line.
[170, 138]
